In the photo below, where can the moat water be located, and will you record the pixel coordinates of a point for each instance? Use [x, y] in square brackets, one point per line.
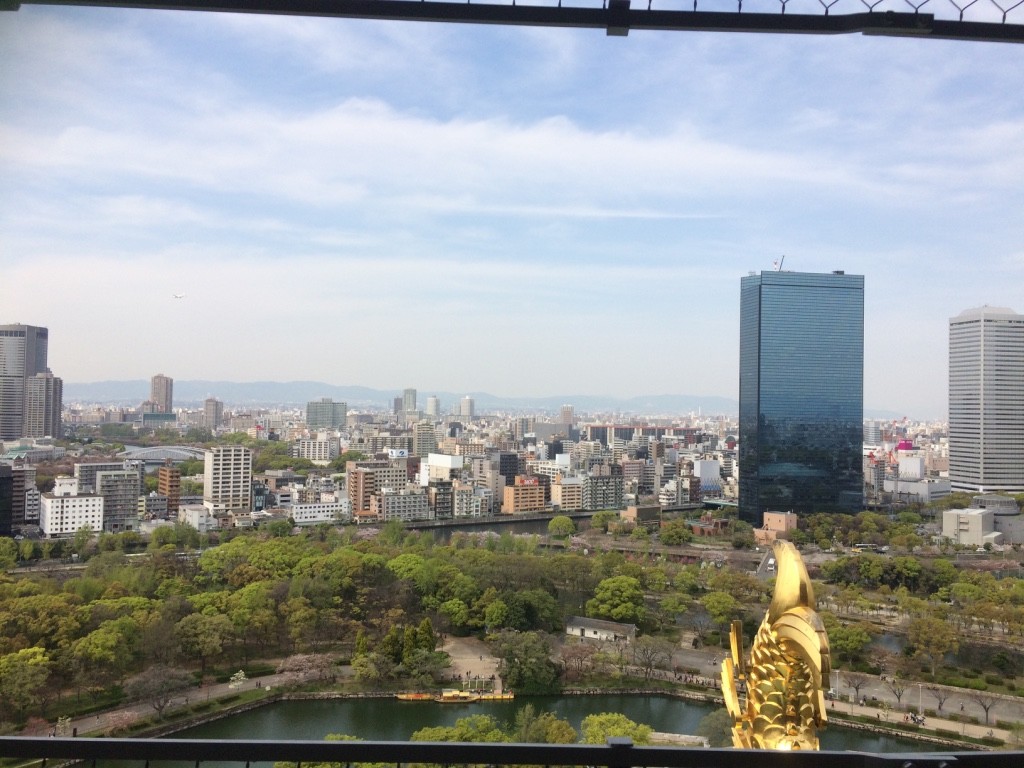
[392, 720]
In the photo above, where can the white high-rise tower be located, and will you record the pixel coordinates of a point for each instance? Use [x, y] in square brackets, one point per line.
[986, 400]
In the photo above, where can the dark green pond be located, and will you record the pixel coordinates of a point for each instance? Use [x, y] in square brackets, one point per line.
[392, 720]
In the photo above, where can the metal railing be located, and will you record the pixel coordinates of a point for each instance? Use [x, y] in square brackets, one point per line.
[618, 753]
[987, 20]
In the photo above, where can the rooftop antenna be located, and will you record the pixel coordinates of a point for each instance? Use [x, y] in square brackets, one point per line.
[777, 263]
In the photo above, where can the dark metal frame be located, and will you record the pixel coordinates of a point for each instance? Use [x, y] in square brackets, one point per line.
[616, 17]
[618, 753]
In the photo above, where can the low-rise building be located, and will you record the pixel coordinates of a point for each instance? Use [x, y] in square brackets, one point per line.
[991, 519]
[775, 525]
[600, 630]
[198, 516]
[64, 511]
[317, 513]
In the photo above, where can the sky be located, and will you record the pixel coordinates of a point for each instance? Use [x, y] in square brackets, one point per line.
[519, 211]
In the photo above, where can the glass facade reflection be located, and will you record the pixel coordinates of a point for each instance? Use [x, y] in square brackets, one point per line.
[801, 393]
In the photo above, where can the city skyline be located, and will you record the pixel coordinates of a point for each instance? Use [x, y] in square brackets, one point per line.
[322, 188]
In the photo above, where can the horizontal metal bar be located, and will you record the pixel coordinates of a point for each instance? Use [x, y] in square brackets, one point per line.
[618, 755]
[617, 15]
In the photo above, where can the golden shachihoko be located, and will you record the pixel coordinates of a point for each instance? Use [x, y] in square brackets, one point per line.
[784, 706]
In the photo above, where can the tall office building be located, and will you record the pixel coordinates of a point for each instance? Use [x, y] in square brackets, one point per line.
[467, 408]
[161, 393]
[567, 416]
[986, 401]
[44, 401]
[22, 356]
[409, 400]
[801, 393]
[433, 407]
[326, 414]
[227, 479]
[213, 413]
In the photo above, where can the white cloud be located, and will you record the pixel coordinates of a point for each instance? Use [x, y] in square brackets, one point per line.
[450, 185]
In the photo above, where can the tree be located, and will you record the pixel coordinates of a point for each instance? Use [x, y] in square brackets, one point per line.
[525, 664]
[984, 700]
[603, 519]
[651, 652]
[856, 681]
[721, 607]
[201, 636]
[597, 729]
[931, 639]
[939, 693]
[373, 668]
[577, 656]
[618, 598]
[561, 526]
[299, 666]
[158, 685]
[475, 728]
[545, 728]
[896, 687]
[22, 675]
[675, 532]
[8, 553]
[716, 727]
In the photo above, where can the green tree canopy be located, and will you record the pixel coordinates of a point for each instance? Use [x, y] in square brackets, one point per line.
[561, 526]
[618, 598]
[597, 729]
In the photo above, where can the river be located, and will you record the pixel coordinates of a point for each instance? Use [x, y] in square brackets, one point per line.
[392, 720]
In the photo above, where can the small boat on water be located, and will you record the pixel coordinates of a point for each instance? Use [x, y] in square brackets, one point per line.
[492, 696]
[415, 696]
[455, 696]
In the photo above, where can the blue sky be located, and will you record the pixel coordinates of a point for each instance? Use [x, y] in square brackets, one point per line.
[512, 210]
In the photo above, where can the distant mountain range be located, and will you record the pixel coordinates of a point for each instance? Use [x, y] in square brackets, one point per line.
[298, 393]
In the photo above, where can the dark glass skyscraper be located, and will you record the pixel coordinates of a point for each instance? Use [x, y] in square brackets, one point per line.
[801, 393]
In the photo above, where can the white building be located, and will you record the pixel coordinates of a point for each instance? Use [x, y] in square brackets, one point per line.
[227, 479]
[986, 400]
[970, 527]
[316, 513]
[440, 466]
[991, 519]
[316, 450]
[405, 505]
[63, 511]
[198, 516]
[467, 408]
[923, 490]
